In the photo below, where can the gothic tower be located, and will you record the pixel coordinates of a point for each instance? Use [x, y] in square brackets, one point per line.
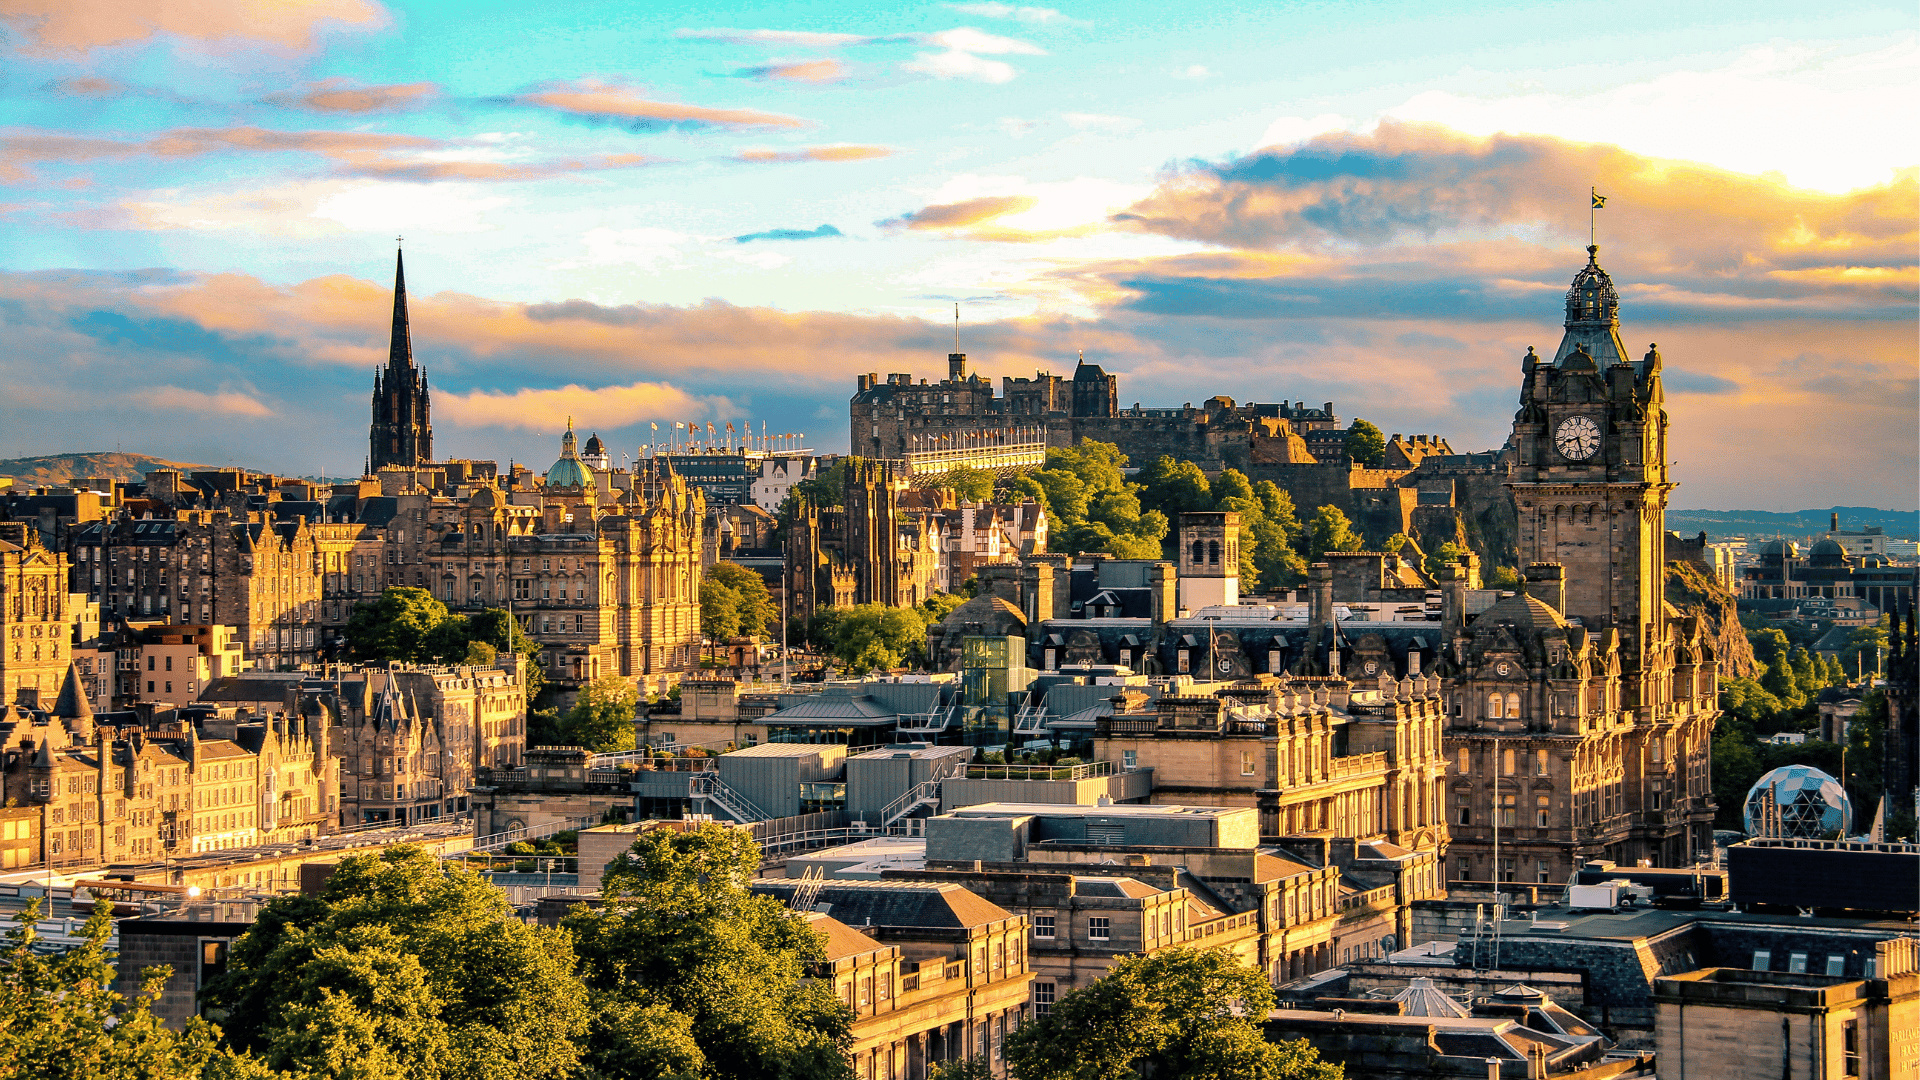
[402, 432]
[1590, 475]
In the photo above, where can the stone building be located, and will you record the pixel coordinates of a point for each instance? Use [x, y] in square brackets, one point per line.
[1582, 709]
[882, 545]
[402, 430]
[931, 972]
[36, 617]
[124, 792]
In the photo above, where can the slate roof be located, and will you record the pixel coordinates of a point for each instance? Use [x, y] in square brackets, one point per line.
[843, 941]
[929, 905]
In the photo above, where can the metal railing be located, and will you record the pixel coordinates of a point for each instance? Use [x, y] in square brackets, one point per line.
[494, 841]
[708, 785]
[1031, 721]
[1088, 771]
[928, 722]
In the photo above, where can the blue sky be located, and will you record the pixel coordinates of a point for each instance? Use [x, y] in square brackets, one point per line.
[650, 212]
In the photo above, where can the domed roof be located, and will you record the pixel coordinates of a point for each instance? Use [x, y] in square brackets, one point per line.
[1826, 552]
[569, 472]
[487, 497]
[595, 448]
[1592, 297]
[1524, 612]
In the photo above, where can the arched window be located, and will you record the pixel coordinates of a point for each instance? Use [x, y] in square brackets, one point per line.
[1213, 553]
[1513, 705]
[1199, 552]
[1494, 711]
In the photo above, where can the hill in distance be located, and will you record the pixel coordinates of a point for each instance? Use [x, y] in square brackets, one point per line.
[1751, 523]
[60, 468]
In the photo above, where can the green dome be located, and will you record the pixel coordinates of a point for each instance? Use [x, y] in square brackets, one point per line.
[569, 471]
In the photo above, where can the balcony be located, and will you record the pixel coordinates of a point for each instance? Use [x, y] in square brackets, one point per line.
[1089, 771]
[1129, 725]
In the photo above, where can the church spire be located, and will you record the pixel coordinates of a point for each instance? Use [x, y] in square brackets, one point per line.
[400, 353]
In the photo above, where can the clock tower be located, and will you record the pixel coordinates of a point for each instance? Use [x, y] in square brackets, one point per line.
[1581, 713]
[1590, 478]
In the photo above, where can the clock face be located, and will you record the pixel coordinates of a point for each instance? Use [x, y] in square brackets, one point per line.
[1372, 668]
[1225, 666]
[1503, 668]
[1577, 438]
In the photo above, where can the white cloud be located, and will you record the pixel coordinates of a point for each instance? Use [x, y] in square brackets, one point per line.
[646, 248]
[1036, 16]
[308, 209]
[1017, 126]
[960, 65]
[1820, 116]
[1097, 121]
[1193, 71]
[1293, 129]
[225, 403]
[808, 38]
[765, 260]
[967, 39]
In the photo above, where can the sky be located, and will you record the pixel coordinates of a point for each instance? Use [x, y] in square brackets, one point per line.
[646, 213]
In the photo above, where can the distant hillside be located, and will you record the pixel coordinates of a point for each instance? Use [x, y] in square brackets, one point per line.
[59, 468]
[1718, 523]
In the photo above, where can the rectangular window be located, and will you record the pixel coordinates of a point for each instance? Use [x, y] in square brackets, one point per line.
[1762, 960]
[1043, 993]
[1130, 758]
[1539, 763]
[1466, 815]
[1506, 762]
[1246, 763]
[1043, 926]
[1797, 963]
[1850, 1048]
[1098, 928]
[1836, 964]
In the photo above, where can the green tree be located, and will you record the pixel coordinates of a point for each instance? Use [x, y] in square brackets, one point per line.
[968, 484]
[1441, 557]
[866, 637]
[1736, 765]
[60, 1018]
[602, 719]
[1329, 530]
[1178, 1014]
[404, 966]
[680, 928]
[1865, 647]
[719, 611]
[1024, 487]
[1174, 488]
[1365, 444]
[759, 615]
[1099, 465]
[1768, 642]
[1231, 484]
[407, 625]
[1503, 577]
[1779, 681]
[1748, 702]
[1066, 495]
[498, 628]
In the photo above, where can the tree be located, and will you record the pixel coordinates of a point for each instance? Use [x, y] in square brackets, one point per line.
[602, 719]
[1442, 557]
[498, 628]
[869, 636]
[1066, 495]
[1365, 444]
[754, 604]
[1024, 487]
[1231, 484]
[1503, 577]
[1099, 465]
[968, 484]
[680, 929]
[1179, 1014]
[60, 1018]
[1329, 530]
[407, 625]
[1174, 488]
[404, 966]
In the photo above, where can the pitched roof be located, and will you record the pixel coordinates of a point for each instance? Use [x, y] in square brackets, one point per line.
[932, 905]
[842, 940]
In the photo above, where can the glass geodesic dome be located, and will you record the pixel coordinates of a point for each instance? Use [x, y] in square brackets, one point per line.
[1808, 804]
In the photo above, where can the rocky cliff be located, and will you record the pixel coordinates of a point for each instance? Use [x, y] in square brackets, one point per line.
[1690, 589]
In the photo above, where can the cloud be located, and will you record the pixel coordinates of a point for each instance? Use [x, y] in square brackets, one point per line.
[807, 38]
[92, 86]
[613, 103]
[588, 407]
[342, 96]
[1193, 71]
[307, 209]
[1037, 16]
[355, 153]
[961, 214]
[789, 234]
[835, 152]
[645, 248]
[813, 71]
[199, 403]
[56, 27]
[1097, 121]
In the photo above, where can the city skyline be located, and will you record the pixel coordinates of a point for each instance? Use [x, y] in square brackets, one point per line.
[652, 215]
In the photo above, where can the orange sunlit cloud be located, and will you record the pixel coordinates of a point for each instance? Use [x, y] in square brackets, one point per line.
[50, 27]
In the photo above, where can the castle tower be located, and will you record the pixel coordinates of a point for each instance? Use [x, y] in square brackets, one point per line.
[1095, 393]
[1209, 560]
[402, 431]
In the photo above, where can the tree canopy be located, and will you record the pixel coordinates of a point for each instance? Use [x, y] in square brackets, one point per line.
[1177, 1014]
[1329, 530]
[602, 717]
[410, 626]
[867, 637]
[682, 936]
[734, 601]
[408, 968]
[968, 484]
[1365, 444]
